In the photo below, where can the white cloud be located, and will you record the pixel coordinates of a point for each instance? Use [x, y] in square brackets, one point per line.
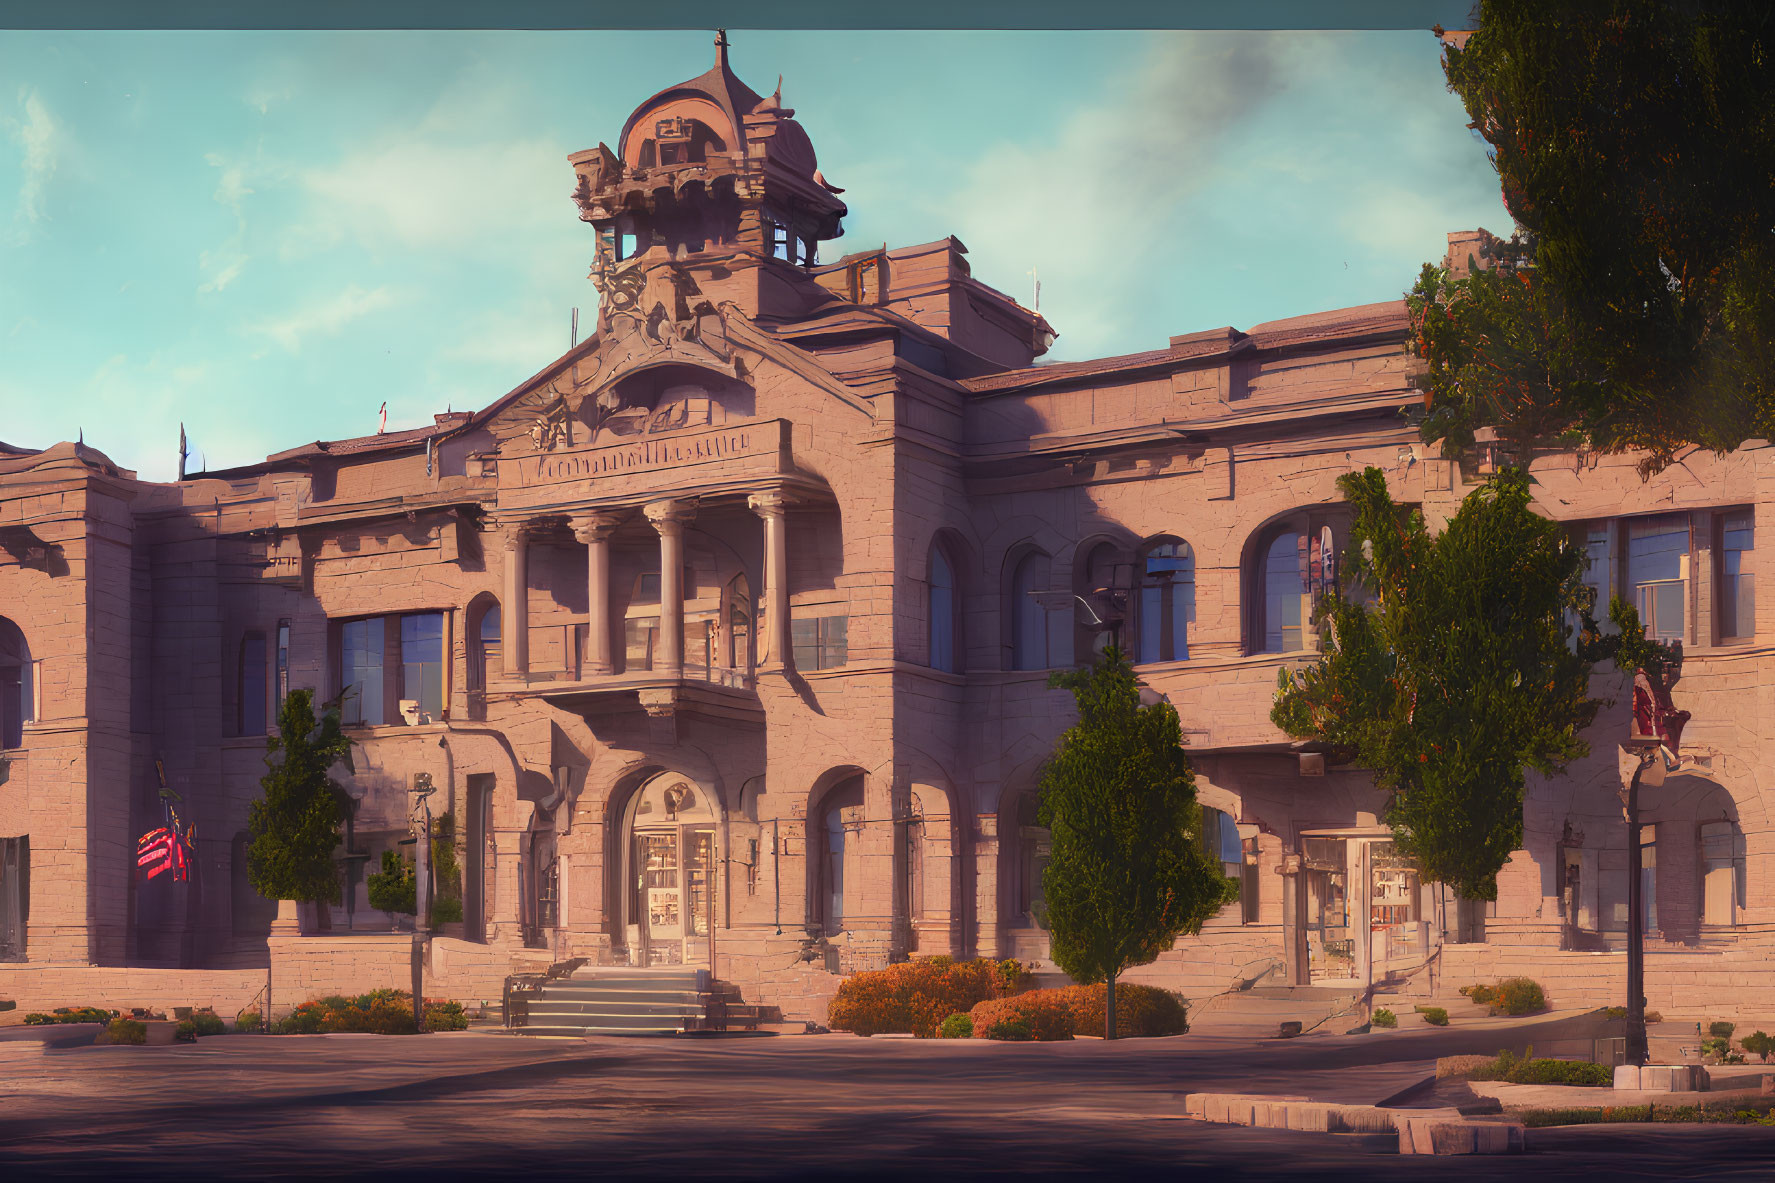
[223, 265]
[1093, 205]
[324, 317]
[38, 135]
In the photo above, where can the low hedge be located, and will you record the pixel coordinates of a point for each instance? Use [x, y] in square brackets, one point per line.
[380, 1012]
[913, 997]
[72, 1014]
[1436, 1016]
[1512, 996]
[1513, 1069]
[124, 1031]
[1382, 1017]
[956, 1026]
[1041, 1015]
[1079, 1010]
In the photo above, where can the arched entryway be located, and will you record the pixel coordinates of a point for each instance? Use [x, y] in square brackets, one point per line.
[670, 852]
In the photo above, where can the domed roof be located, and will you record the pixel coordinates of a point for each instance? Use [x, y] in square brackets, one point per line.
[719, 83]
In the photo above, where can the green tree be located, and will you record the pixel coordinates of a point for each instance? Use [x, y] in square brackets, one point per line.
[1128, 873]
[295, 827]
[1463, 672]
[1635, 144]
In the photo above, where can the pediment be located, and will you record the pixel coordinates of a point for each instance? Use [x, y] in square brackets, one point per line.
[666, 357]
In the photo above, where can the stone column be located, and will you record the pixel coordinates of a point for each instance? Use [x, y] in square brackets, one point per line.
[773, 508]
[669, 517]
[594, 529]
[514, 608]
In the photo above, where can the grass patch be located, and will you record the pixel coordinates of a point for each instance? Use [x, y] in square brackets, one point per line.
[1512, 1069]
[1721, 1114]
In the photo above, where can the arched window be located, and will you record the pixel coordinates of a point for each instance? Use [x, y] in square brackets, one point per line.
[1100, 571]
[1722, 872]
[943, 606]
[841, 816]
[1281, 582]
[1167, 601]
[1029, 619]
[17, 695]
[739, 625]
[486, 650]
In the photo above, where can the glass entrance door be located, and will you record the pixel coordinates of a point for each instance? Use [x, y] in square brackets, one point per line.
[673, 899]
[1331, 945]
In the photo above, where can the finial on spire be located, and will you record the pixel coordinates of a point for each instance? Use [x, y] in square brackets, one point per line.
[721, 47]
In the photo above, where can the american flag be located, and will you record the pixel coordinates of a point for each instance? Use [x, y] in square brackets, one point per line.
[166, 849]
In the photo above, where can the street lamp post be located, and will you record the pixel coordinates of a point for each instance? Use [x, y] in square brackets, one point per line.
[1657, 730]
[1651, 760]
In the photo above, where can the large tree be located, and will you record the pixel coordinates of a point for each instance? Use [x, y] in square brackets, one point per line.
[1635, 143]
[1458, 676]
[1127, 874]
[295, 826]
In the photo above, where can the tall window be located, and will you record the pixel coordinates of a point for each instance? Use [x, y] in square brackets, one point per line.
[251, 718]
[16, 691]
[1167, 601]
[1100, 573]
[15, 896]
[1282, 582]
[1722, 872]
[820, 642]
[1737, 595]
[1596, 542]
[488, 637]
[942, 612]
[842, 814]
[422, 663]
[641, 624]
[1657, 573]
[282, 687]
[360, 670]
[1029, 620]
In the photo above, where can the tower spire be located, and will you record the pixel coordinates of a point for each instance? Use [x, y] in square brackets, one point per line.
[721, 48]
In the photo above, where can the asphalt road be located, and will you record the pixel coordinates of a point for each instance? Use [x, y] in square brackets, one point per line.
[789, 1107]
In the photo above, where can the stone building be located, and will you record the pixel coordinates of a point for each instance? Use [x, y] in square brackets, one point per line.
[724, 640]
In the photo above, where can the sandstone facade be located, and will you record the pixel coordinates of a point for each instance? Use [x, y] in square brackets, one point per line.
[727, 637]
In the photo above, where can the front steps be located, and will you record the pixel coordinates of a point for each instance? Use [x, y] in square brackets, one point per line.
[1261, 1010]
[611, 1000]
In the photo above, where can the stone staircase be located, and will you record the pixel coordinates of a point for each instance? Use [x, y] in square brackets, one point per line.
[1261, 1010]
[610, 1000]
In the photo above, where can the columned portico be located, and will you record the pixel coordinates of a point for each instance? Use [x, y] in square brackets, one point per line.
[669, 518]
[777, 651]
[594, 529]
[516, 600]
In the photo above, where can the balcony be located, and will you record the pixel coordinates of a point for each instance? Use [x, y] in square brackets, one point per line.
[713, 691]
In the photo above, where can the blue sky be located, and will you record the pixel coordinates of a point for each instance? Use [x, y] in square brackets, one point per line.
[266, 235]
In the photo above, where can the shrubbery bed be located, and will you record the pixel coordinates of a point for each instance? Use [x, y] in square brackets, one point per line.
[1079, 1010]
[380, 1012]
[1512, 1069]
[1512, 996]
[915, 996]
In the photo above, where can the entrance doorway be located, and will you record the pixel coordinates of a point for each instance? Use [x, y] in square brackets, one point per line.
[1331, 940]
[669, 907]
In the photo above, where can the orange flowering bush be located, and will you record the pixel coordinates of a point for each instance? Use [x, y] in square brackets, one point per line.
[1043, 1014]
[380, 1012]
[1079, 1010]
[914, 997]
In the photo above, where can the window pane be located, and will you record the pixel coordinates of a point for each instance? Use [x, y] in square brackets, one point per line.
[942, 613]
[638, 635]
[360, 660]
[1281, 578]
[252, 686]
[490, 625]
[1738, 600]
[834, 644]
[422, 662]
[12, 706]
[283, 662]
[1029, 639]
